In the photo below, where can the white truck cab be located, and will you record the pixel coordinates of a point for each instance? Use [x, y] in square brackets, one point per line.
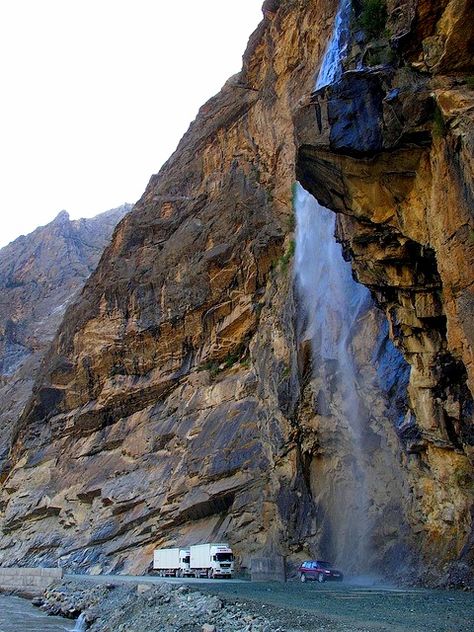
[212, 560]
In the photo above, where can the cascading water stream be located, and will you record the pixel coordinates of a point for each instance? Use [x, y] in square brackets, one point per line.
[81, 623]
[332, 303]
[331, 67]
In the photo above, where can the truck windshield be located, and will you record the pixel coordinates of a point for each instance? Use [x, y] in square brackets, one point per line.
[224, 557]
[186, 559]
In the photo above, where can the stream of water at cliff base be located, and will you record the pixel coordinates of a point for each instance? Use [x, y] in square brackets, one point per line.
[19, 615]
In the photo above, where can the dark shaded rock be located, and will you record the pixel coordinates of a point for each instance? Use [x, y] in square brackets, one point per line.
[355, 113]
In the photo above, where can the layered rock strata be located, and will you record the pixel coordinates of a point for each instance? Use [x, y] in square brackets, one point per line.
[176, 404]
[152, 423]
[392, 151]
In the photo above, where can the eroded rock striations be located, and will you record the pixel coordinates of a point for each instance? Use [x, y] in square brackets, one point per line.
[177, 404]
[392, 152]
[40, 275]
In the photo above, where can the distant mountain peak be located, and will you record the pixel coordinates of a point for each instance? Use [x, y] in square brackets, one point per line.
[40, 275]
[62, 216]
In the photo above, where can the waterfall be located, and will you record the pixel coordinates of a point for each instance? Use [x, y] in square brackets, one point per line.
[332, 299]
[81, 623]
[332, 303]
[331, 67]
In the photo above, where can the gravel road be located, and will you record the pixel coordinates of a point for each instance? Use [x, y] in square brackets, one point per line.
[339, 607]
[342, 607]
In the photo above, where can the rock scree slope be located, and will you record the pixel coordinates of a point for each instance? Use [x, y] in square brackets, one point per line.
[176, 404]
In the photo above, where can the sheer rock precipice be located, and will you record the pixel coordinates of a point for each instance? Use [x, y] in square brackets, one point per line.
[392, 152]
[175, 404]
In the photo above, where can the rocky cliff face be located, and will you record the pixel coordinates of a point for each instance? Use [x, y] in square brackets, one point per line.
[178, 402]
[392, 152]
[40, 275]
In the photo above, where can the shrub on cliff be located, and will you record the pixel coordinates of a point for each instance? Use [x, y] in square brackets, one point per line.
[373, 17]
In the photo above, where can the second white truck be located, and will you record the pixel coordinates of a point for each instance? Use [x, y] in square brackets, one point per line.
[211, 560]
[172, 562]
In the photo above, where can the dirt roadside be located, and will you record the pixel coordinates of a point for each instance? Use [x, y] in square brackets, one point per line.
[135, 606]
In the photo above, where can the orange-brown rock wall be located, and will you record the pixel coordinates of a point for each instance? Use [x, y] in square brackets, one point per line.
[176, 404]
[151, 424]
[401, 176]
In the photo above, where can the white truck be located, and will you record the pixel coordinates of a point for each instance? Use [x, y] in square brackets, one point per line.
[172, 562]
[211, 560]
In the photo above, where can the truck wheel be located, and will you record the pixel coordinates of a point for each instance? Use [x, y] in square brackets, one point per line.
[210, 573]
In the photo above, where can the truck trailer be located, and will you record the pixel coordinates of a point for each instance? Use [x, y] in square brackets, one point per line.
[211, 560]
[172, 562]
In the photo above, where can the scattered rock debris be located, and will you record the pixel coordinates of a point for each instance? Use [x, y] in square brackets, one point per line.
[163, 608]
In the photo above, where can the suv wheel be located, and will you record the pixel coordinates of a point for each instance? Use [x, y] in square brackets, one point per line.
[303, 577]
[321, 578]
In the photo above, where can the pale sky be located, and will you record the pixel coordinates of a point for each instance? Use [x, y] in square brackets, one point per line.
[95, 95]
